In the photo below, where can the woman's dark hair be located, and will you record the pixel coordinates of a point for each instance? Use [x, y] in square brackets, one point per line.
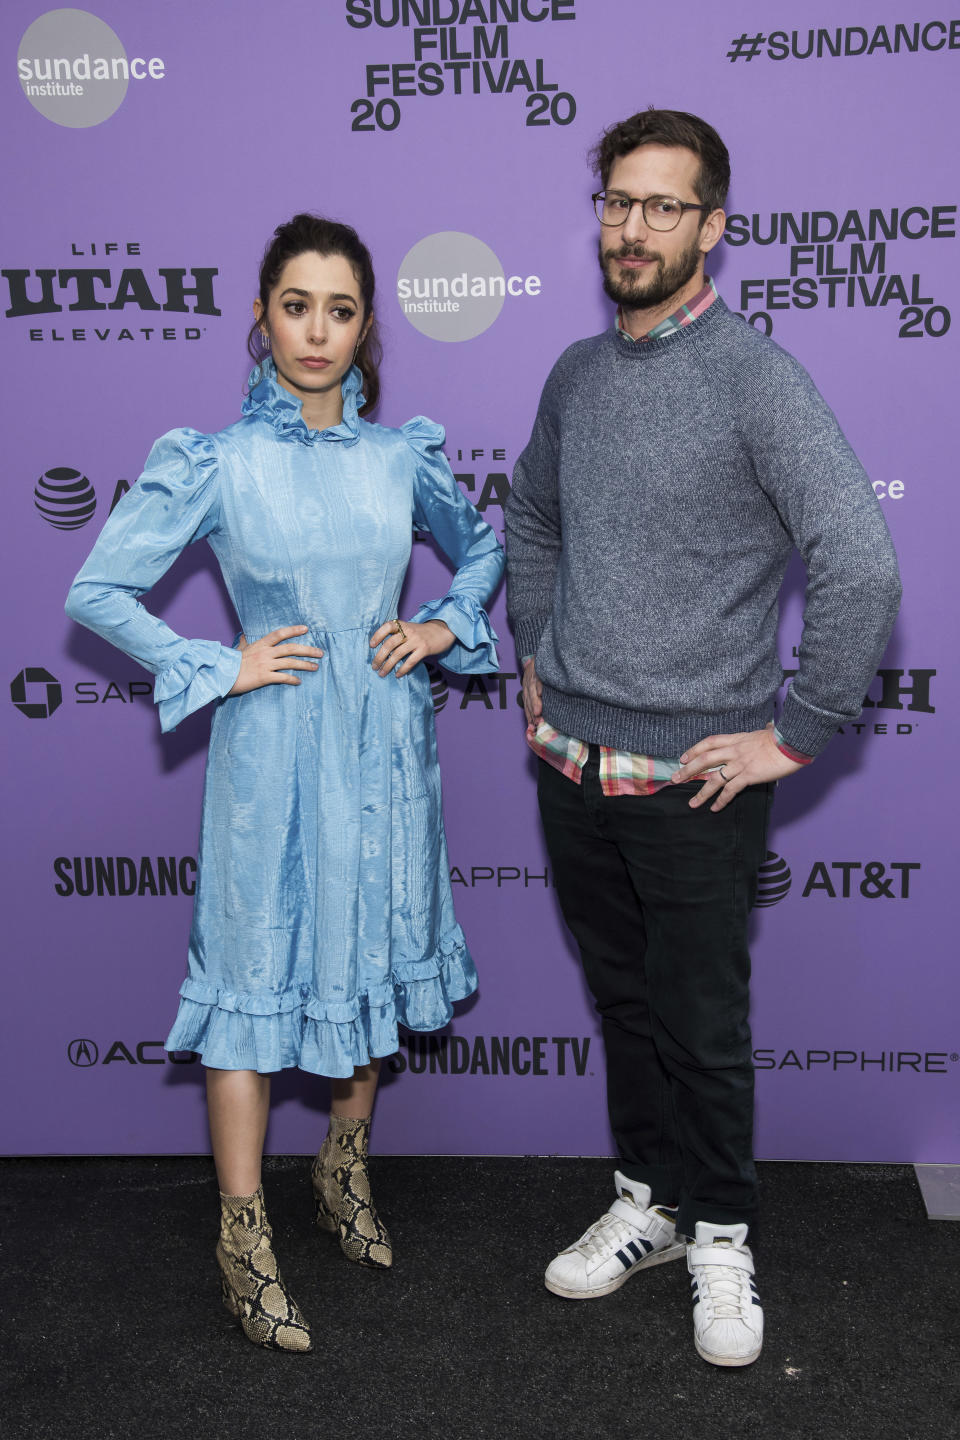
[326, 237]
[670, 127]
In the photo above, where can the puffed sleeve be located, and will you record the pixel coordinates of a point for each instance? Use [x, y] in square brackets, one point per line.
[440, 507]
[174, 503]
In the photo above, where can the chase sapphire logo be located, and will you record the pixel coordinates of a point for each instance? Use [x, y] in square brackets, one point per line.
[65, 498]
[83, 1053]
[36, 693]
[773, 880]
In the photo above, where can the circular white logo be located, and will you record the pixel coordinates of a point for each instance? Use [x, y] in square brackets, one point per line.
[451, 286]
[74, 70]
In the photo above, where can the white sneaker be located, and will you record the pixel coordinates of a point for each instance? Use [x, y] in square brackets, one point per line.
[727, 1318]
[630, 1236]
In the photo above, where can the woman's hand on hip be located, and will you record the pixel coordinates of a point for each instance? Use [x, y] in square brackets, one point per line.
[403, 644]
[266, 661]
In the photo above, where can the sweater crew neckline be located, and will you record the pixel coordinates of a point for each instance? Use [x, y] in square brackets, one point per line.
[633, 350]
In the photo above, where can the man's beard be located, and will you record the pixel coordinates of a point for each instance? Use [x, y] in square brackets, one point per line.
[647, 289]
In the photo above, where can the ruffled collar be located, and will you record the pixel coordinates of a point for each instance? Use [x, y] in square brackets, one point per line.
[268, 400]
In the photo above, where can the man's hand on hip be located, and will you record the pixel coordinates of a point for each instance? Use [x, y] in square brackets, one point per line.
[532, 694]
[735, 761]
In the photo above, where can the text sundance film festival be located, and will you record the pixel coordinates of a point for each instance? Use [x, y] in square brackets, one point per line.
[458, 48]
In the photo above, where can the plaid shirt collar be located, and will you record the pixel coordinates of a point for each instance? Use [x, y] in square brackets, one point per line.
[684, 316]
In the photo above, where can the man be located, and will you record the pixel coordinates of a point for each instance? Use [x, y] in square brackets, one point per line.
[675, 461]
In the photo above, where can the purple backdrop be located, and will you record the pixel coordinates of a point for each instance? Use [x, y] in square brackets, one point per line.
[842, 241]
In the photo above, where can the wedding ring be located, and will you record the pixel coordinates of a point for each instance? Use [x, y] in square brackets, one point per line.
[399, 630]
[724, 777]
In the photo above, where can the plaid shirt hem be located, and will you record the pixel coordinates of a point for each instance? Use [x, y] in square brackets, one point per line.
[621, 771]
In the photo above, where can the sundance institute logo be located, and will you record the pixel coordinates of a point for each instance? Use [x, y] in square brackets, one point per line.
[74, 70]
[451, 286]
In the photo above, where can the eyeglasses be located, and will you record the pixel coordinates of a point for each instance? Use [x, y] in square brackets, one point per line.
[660, 212]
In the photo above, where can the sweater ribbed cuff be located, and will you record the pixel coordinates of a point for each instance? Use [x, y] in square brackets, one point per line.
[527, 634]
[804, 729]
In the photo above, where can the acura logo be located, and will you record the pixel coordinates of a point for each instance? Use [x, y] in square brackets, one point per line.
[83, 1052]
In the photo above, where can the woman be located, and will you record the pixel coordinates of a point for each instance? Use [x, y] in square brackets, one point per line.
[323, 914]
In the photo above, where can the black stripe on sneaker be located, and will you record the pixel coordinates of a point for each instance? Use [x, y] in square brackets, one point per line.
[626, 1260]
[634, 1245]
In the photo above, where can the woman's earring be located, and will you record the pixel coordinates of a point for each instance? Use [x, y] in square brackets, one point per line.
[265, 339]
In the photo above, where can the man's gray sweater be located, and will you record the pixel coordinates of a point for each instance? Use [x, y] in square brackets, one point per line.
[652, 516]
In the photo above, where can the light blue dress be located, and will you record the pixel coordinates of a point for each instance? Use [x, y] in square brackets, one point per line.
[323, 912]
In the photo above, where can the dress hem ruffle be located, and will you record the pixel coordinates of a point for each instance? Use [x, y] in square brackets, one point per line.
[234, 1030]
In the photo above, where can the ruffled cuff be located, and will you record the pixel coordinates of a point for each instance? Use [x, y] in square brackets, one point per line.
[206, 671]
[475, 652]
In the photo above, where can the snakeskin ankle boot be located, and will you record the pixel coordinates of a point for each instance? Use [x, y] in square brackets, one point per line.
[253, 1288]
[341, 1189]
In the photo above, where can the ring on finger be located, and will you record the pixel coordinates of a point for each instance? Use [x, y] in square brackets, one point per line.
[723, 775]
[399, 630]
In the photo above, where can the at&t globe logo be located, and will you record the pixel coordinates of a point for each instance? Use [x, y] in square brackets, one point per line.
[773, 881]
[65, 498]
[451, 286]
[439, 691]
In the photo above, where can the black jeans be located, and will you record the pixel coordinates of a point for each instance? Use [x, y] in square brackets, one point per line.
[657, 896]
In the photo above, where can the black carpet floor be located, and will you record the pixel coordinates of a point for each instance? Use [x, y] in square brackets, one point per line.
[114, 1327]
